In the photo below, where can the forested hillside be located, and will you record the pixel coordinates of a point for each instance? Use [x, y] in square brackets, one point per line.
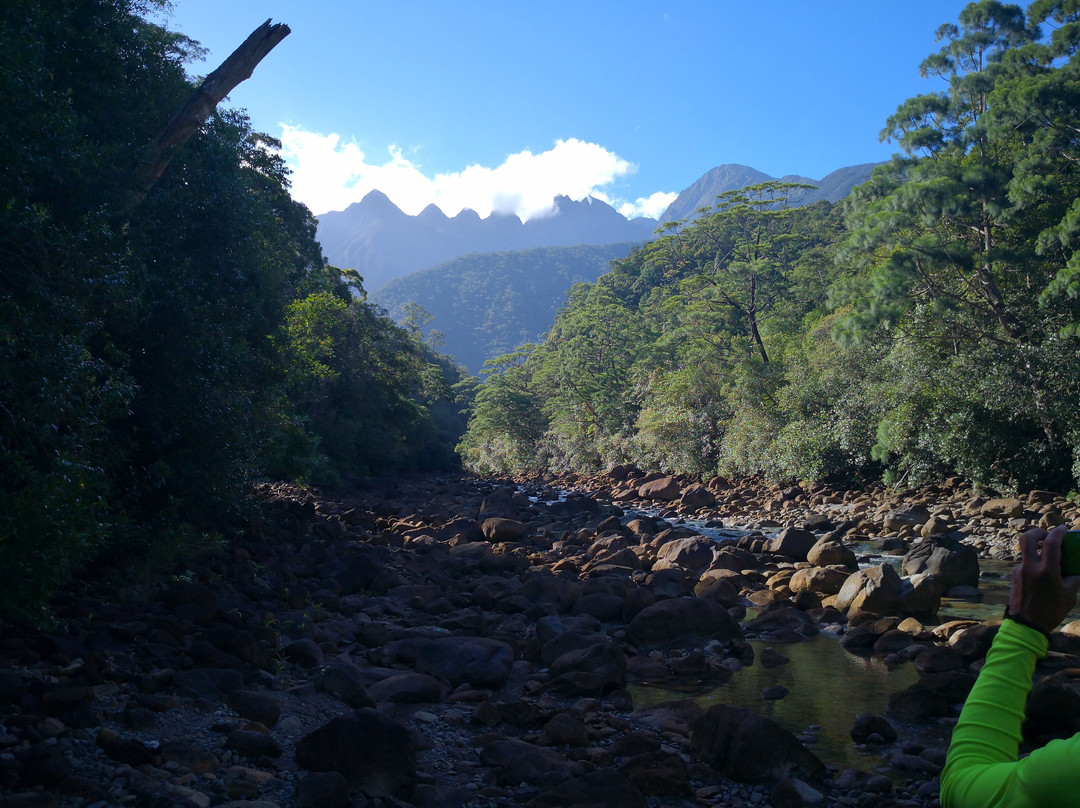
[485, 305]
[925, 327]
[158, 356]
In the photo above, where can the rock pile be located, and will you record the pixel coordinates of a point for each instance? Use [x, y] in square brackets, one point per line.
[457, 642]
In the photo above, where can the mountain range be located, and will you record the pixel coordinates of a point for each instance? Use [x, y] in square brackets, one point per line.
[497, 282]
[381, 242]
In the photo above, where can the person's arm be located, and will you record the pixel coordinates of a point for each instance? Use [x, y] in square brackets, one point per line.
[982, 768]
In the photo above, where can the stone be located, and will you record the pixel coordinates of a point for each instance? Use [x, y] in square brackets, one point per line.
[305, 652]
[373, 752]
[591, 671]
[874, 589]
[682, 623]
[478, 661]
[659, 774]
[951, 562]
[832, 552]
[256, 706]
[911, 516]
[820, 580]
[603, 788]
[692, 553]
[665, 489]
[920, 594]
[501, 529]
[252, 744]
[750, 748]
[697, 496]
[343, 679]
[408, 688]
[793, 542]
[322, 790]
[515, 762]
[869, 724]
[564, 729]
[1002, 508]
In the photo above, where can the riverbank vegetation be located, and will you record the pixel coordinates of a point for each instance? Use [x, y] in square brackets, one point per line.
[925, 327]
[157, 356]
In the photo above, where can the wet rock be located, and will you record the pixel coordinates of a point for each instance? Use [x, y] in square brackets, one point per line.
[593, 670]
[793, 542]
[373, 752]
[914, 704]
[681, 623]
[869, 725]
[951, 562]
[750, 748]
[938, 658]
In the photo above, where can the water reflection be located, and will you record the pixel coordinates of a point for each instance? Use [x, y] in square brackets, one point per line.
[828, 688]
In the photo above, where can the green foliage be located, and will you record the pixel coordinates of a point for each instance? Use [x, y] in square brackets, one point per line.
[926, 327]
[156, 360]
[489, 304]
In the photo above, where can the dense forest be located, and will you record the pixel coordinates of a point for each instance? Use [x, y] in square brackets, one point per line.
[159, 354]
[925, 327]
[485, 304]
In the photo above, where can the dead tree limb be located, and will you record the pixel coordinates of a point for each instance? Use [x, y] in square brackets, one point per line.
[238, 67]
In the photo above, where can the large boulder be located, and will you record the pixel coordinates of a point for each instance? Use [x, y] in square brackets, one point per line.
[501, 529]
[820, 580]
[373, 752]
[830, 553]
[874, 589]
[693, 553]
[910, 516]
[590, 671]
[1002, 508]
[793, 542]
[951, 562]
[682, 623]
[665, 489]
[697, 496]
[751, 748]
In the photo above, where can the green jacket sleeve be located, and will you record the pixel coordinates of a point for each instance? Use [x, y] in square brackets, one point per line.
[981, 770]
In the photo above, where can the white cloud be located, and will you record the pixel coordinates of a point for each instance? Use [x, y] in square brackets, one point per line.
[651, 206]
[330, 173]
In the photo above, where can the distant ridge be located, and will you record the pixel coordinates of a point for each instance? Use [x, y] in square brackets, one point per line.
[487, 305]
[732, 176]
[381, 242]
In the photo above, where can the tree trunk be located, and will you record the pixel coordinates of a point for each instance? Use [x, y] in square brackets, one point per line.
[238, 67]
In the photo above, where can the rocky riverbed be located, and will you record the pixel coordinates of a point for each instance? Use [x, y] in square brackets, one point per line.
[439, 642]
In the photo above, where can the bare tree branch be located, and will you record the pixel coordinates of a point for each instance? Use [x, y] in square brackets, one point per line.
[237, 68]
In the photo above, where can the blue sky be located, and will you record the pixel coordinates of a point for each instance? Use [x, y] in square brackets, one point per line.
[501, 105]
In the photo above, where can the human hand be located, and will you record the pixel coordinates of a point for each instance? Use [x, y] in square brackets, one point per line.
[1039, 594]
